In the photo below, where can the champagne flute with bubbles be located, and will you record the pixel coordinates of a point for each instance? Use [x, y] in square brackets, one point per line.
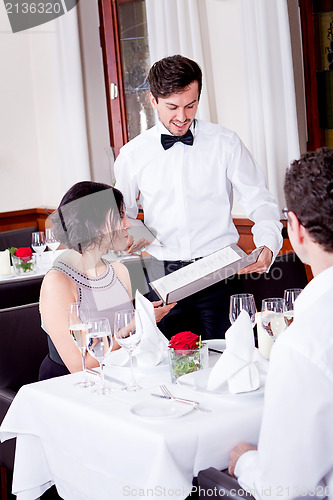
[79, 327]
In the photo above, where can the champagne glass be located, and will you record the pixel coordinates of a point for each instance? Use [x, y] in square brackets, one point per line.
[242, 301]
[38, 244]
[128, 337]
[51, 241]
[289, 297]
[272, 318]
[99, 344]
[78, 328]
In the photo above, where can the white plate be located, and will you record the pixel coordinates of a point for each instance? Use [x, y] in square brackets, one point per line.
[160, 409]
[218, 344]
[197, 381]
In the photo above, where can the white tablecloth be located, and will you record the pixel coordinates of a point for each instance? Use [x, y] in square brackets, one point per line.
[93, 448]
[44, 264]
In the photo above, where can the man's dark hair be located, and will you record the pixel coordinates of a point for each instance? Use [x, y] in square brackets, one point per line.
[81, 218]
[308, 190]
[173, 75]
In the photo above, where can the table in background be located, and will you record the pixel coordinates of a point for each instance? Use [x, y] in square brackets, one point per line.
[94, 448]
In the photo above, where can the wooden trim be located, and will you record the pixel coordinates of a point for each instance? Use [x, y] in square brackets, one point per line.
[24, 218]
[109, 36]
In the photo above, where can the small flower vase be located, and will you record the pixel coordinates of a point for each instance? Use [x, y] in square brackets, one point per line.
[24, 265]
[187, 361]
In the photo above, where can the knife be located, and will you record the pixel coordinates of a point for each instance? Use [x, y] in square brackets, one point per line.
[107, 377]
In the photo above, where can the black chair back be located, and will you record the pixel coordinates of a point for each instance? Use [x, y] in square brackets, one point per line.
[23, 345]
[16, 238]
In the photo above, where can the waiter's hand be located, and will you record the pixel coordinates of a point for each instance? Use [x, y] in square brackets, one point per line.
[161, 311]
[137, 245]
[237, 452]
[262, 264]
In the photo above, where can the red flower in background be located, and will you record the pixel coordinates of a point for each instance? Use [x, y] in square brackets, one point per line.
[184, 341]
[24, 253]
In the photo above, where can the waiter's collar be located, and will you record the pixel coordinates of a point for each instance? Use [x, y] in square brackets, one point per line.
[163, 130]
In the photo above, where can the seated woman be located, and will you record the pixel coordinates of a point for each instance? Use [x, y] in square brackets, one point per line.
[90, 220]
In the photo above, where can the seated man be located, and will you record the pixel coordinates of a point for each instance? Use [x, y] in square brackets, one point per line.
[294, 456]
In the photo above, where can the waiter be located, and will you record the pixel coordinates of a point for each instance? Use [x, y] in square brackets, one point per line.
[185, 171]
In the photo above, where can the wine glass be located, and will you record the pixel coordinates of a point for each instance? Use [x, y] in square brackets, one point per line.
[289, 297]
[242, 301]
[79, 328]
[51, 241]
[38, 244]
[272, 318]
[128, 337]
[99, 344]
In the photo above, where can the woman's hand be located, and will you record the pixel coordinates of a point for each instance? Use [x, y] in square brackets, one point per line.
[161, 311]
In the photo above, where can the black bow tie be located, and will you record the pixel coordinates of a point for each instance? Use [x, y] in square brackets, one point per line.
[169, 140]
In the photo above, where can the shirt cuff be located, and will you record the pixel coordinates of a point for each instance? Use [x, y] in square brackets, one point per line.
[245, 469]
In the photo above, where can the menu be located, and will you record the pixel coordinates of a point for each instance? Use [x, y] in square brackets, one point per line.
[203, 273]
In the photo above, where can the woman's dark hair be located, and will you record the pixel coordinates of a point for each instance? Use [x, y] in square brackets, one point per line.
[80, 220]
[309, 194]
[173, 75]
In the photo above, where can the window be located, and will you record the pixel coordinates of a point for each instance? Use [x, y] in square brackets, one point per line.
[124, 41]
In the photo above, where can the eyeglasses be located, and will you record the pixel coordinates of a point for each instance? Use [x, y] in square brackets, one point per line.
[285, 212]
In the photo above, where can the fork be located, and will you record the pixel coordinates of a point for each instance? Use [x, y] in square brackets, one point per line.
[195, 404]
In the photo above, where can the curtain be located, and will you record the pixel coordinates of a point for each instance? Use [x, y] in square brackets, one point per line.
[72, 132]
[270, 91]
[174, 28]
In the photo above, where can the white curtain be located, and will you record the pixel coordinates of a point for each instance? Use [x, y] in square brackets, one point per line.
[174, 28]
[73, 141]
[270, 90]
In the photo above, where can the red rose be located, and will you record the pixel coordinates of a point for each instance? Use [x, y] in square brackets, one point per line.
[25, 253]
[184, 341]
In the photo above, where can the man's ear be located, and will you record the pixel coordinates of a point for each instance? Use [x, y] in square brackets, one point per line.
[153, 101]
[296, 227]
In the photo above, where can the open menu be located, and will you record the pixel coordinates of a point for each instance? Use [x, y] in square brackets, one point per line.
[203, 273]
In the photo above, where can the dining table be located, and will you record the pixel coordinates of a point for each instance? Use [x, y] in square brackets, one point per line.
[123, 444]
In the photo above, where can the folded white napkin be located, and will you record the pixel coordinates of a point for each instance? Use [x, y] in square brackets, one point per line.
[240, 363]
[154, 344]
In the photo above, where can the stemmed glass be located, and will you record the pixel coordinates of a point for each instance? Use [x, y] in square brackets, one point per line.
[38, 244]
[99, 344]
[289, 297]
[51, 241]
[272, 319]
[242, 301]
[128, 337]
[79, 328]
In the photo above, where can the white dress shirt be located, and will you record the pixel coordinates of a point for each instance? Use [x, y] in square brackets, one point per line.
[187, 191]
[295, 449]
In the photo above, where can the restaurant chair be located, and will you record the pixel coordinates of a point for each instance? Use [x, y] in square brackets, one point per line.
[20, 291]
[213, 483]
[287, 271]
[23, 347]
[16, 237]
